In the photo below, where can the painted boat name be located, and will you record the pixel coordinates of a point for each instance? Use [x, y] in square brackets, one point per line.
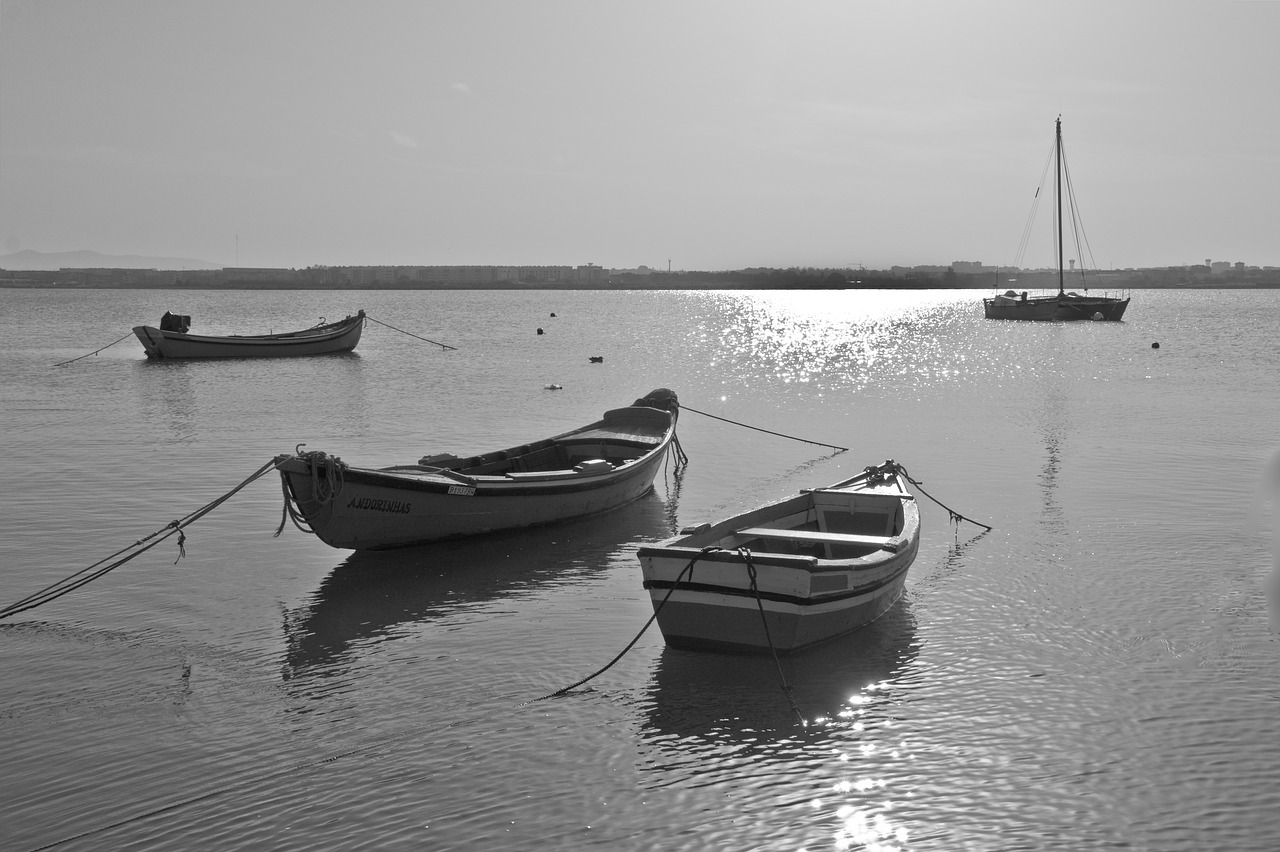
[393, 506]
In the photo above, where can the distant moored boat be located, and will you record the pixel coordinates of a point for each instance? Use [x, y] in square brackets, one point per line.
[1064, 305]
[173, 340]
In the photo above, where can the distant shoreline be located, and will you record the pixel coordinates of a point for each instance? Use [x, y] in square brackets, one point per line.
[9, 284]
[595, 278]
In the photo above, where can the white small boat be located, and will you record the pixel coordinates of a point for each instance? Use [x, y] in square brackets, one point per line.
[173, 340]
[586, 471]
[789, 574]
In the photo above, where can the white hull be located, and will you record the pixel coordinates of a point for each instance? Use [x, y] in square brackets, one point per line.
[825, 563]
[590, 470]
[322, 340]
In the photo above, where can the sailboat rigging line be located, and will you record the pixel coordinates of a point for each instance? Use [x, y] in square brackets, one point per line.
[688, 569]
[1028, 227]
[684, 407]
[1078, 236]
[410, 333]
[96, 351]
[103, 566]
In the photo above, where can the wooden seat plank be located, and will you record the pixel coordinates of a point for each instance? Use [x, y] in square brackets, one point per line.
[886, 542]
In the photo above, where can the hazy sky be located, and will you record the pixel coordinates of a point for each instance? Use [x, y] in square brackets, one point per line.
[714, 135]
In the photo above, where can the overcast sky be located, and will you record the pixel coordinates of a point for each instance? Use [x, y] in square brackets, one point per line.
[707, 135]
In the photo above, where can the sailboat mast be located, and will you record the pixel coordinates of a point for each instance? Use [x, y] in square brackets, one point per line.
[1058, 192]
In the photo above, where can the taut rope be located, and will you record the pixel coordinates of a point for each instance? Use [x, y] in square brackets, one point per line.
[956, 517]
[684, 407]
[96, 351]
[142, 545]
[411, 334]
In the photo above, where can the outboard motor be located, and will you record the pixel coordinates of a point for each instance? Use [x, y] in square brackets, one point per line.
[175, 322]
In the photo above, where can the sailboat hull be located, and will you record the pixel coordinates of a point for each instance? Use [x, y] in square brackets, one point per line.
[1021, 307]
[1091, 308]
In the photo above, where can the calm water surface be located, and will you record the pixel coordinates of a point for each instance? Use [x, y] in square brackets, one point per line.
[1096, 672]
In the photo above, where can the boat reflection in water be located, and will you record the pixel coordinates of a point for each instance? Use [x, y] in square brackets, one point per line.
[721, 721]
[372, 593]
[709, 700]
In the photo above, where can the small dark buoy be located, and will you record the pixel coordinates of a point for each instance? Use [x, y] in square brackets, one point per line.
[597, 359]
[553, 313]
[539, 331]
[1155, 345]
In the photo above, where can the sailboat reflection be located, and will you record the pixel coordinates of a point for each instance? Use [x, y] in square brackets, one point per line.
[371, 593]
[710, 701]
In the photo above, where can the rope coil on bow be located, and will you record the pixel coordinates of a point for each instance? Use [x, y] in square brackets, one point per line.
[324, 489]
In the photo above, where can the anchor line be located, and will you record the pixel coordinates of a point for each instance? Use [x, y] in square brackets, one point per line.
[410, 333]
[94, 352]
[684, 407]
[688, 569]
[125, 554]
[782, 677]
[956, 517]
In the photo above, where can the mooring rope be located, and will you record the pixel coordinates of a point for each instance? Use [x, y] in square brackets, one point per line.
[96, 351]
[139, 547]
[682, 458]
[410, 333]
[956, 517]
[684, 407]
[322, 491]
[657, 609]
[786, 688]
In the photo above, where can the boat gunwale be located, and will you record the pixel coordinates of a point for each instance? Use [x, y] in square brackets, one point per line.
[307, 335]
[815, 599]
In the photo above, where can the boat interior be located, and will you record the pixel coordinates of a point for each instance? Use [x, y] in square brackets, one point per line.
[623, 435]
[828, 524]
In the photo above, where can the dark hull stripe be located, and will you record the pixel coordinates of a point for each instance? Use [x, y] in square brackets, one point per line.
[865, 589]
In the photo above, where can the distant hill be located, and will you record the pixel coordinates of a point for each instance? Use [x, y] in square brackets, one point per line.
[55, 260]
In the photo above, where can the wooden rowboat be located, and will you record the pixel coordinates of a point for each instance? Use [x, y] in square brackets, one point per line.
[172, 340]
[811, 567]
[588, 470]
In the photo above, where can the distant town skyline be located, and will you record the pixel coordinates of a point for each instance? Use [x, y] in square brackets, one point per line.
[31, 260]
[727, 134]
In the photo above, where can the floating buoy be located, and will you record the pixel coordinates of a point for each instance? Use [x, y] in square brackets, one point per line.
[554, 387]
[1155, 345]
[553, 313]
[597, 359]
[539, 331]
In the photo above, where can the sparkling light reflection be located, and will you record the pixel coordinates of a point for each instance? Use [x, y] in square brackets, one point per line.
[861, 814]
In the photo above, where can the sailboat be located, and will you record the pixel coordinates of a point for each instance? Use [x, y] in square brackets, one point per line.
[1063, 305]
